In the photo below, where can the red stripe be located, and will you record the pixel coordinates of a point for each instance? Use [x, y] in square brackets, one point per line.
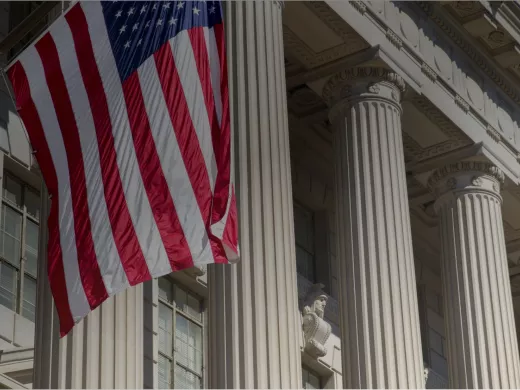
[221, 190]
[29, 114]
[159, 196]
[186, 138]
[88, 267]
[123, 230]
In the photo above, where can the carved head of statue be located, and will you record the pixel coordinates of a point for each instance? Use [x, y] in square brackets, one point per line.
[315, 301]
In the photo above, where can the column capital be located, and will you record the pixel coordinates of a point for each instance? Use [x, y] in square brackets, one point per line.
[466, 176]
[363, 82]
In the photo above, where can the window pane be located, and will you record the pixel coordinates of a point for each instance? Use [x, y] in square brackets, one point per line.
[165, 329]
[164, 369]
[11, 233]
[165, 289]
[29, 298]
[31, 247]
[185, 379]
[181, 339]
[193, 308]
[12, 191]
[32, 203]
[305, 263]
[8, 285]
[180, 298]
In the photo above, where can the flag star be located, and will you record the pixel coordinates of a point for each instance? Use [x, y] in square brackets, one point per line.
[131, 11]
[180, 5]
[196, 11]
[143, 9]
[139, 41]
[166, 6]
[154, 6]
[119, 13]
[172, 21]
[135, 27]
[159, 22]
[122, 29]
[147, 24]
[127, 44]
[212, 10]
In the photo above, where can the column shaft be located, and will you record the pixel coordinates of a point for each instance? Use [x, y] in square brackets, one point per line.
[380, 330]
[481, 332]
[104, 351]
[253, 321]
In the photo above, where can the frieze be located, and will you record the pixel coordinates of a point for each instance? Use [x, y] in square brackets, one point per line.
[481, 61]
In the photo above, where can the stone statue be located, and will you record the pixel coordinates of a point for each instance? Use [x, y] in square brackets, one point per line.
[316, 330]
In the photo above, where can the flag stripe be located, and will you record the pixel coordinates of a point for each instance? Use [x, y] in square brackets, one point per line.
[31, 62]
[151, 171]
[133, 186]
[55, 270]
[89, 268]
[214, 64]
[107, 256]
[221, 191]
[192, 233]
[185, 133]
[129, 249]
[193, 100]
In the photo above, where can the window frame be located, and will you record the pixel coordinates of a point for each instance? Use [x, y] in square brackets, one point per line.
[197, 321]
[20, 269]
[310, 212]
[314, 373]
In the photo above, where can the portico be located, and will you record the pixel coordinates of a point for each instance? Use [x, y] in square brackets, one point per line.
[377, 163]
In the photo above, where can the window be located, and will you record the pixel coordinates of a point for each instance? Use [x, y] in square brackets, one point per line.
[310, 380]
[19, 230]
[304, 232]
[180, 337]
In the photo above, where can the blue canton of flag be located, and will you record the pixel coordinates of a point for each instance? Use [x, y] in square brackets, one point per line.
[137, 29]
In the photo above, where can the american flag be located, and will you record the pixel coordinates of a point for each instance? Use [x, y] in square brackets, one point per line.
[126, 106]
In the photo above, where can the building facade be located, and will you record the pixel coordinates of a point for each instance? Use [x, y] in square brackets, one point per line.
[377, 153]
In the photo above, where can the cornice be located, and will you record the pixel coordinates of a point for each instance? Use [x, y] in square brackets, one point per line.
[504, 82]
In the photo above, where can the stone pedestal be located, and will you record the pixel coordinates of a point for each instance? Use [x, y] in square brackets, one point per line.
[480, 325]
[254, 325]
[380, 332]
[104, 351]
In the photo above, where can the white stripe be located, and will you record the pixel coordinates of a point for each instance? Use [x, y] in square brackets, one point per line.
[41, 96]
[189, 76]
[135, 193]
[172, 164]
[107, 255]
[214, 61]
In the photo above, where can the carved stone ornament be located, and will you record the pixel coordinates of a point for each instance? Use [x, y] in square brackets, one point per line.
[316, 330]
[359, 80]
[466, 175]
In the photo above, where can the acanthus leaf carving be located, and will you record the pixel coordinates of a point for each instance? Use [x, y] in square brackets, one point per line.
[316, 330]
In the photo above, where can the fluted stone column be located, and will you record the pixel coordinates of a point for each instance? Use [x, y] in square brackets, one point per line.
[480, 325]
[254, 325]
[104, 351]
[380, 331]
